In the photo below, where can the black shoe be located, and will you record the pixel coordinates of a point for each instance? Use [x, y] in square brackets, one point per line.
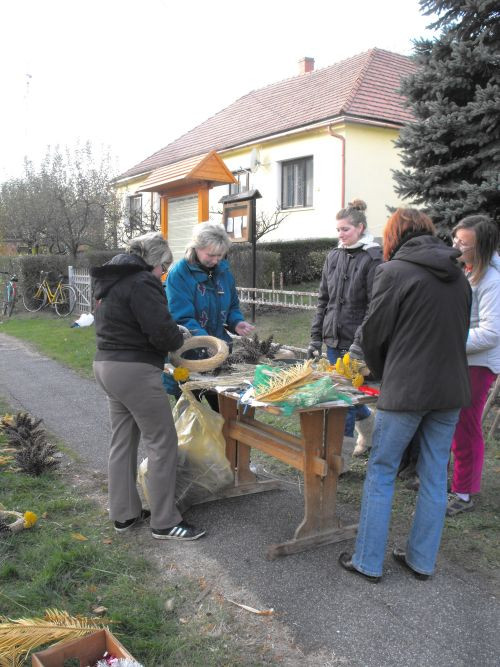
[122, 526]
[345, 560]
[400, 556]
[183, 531]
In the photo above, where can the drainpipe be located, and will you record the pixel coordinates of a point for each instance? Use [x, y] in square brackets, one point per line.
[342, 139]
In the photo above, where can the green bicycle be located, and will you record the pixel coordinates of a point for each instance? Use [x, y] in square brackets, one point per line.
[59, 295]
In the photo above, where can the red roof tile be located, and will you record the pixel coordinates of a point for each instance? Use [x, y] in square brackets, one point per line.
[363, 86]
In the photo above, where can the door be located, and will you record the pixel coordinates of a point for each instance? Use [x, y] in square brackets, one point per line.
[182, 217]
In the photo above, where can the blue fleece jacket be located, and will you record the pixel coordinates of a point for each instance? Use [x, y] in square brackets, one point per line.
[203, 302]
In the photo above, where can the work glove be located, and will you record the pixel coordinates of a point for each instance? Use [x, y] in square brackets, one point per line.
[185, 332]
[356, 355]
[314, 349]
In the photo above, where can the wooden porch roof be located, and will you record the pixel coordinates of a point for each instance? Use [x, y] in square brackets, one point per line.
[208, 167]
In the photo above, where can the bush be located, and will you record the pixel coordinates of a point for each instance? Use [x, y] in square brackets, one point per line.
[240, 261]
[297, 264]
[30, 267]
[316, 260]
[96, 257]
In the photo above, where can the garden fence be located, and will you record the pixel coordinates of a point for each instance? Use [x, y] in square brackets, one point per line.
[81, 281]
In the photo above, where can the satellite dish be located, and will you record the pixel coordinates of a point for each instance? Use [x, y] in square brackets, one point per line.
[254, 160]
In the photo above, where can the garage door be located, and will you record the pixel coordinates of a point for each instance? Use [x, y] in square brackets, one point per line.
[182, 217]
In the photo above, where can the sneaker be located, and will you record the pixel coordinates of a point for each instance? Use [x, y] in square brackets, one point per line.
[183, 531]
[123, 526]
[457, 505]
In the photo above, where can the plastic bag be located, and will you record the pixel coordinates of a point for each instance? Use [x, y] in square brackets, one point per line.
[202, 466]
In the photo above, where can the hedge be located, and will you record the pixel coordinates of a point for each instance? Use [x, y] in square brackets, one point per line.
[240, 261]
[301, 260]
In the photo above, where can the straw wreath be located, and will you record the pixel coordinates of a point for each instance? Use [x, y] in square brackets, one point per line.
[216, 347]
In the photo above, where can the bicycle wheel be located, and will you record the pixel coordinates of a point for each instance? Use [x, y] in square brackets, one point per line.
[10, 299]
[65, 300]
[34, 298]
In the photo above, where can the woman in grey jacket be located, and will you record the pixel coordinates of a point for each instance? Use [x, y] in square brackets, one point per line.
[343, 299]
[477, 238]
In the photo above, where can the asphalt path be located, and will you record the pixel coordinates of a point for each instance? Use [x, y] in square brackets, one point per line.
[452, 619]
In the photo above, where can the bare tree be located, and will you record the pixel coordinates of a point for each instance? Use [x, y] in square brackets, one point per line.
[265, 222]
[136, 223]
[68, 202]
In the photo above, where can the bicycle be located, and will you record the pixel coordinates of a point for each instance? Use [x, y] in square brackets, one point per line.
[61, 296]
[9, 294]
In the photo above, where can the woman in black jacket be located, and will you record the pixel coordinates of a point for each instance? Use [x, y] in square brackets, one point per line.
[343, 299]
[134, 334]
[413, 340]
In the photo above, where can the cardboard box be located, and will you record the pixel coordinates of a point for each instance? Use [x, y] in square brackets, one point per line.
[88, 650]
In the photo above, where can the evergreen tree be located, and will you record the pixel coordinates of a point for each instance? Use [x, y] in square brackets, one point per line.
[451, 152]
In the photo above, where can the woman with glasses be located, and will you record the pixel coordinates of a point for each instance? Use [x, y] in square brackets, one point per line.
[135, 332]
[477, 238]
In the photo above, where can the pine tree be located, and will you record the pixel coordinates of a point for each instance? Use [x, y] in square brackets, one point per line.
[451, 152]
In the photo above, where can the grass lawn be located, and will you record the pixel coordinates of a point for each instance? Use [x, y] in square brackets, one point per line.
[72, 560]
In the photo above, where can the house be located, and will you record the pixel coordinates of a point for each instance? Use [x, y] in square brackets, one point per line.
[308, 144]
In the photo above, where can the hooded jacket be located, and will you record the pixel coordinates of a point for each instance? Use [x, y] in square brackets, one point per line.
[203, 302]
[344, 294]
[415, 332]
[131, 317]
[483, 343]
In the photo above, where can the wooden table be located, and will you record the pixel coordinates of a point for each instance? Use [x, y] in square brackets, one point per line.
[317, 453]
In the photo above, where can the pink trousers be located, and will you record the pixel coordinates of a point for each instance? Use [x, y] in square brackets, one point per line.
[468, 442]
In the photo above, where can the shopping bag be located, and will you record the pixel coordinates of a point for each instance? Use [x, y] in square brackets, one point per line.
[202, 466]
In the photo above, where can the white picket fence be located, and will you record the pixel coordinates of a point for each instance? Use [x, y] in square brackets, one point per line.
[282, 298]
[81, 281]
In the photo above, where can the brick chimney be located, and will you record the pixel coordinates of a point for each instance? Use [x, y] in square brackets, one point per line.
[306, 65]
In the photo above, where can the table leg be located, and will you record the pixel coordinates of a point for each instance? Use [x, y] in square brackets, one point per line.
[322, 433]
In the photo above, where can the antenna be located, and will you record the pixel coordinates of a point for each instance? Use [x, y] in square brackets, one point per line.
[254, 160]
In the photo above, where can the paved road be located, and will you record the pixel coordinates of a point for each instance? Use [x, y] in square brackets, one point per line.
[452, 619]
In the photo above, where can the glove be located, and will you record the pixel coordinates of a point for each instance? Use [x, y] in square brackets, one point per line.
[355, 352]
[314, 349]
[185, 332]
[356, 355]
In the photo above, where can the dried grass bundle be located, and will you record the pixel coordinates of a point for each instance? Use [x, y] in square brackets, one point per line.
[284, 381]
[19, 636]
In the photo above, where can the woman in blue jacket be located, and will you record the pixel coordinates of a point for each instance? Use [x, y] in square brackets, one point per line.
[201, 290]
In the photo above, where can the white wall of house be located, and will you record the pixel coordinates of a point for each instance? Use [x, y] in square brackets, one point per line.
[314, 221]
[370, 159]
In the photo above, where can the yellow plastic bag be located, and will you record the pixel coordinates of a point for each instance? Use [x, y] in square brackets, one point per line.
[202, 466]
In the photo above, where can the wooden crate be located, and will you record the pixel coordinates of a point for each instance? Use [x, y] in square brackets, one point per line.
[88, 650]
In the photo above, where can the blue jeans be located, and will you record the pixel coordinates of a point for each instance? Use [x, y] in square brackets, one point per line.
[356, 412]
[393, 431]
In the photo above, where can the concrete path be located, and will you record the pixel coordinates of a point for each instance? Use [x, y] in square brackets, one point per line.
[452, 619]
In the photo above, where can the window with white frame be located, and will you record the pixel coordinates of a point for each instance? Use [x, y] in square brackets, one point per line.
[297, 183]
[242, 184]
[135, 210]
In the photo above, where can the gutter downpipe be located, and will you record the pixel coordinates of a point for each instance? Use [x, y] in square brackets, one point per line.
[342, 139]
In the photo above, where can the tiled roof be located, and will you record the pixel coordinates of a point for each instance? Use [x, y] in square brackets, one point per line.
[364, 86]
